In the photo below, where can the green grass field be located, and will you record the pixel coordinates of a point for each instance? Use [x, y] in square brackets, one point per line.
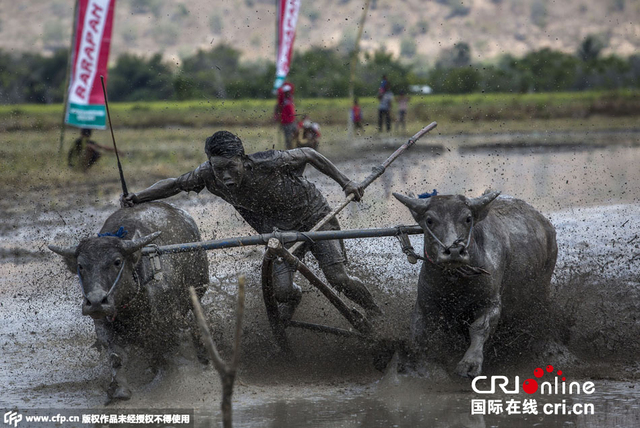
[426, 108]
[163, 139]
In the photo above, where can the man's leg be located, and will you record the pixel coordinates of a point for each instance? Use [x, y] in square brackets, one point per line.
[351, 287]
[380, 113]
[331, 259]
[288, 294]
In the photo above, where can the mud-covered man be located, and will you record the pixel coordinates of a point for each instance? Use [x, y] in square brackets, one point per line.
[269, 191]
[84, 152]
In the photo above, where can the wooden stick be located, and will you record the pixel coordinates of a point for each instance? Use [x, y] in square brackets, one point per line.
[377, 172]
[226, 372]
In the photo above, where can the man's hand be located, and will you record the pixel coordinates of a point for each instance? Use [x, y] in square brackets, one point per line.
[128, 201]
[355, 188]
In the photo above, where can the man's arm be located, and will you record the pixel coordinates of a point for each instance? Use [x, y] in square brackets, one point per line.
[326, 167]
[160, 190]
[191, 181]
[97, 146]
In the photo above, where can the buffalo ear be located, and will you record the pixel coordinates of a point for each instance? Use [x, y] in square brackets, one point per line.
[417, 206]
[69, 256]
[479, 206]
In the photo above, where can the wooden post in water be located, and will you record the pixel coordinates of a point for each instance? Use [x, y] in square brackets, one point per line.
[226, 371]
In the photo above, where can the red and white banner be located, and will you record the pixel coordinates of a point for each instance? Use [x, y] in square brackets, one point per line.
[90, 55]
[287, 15]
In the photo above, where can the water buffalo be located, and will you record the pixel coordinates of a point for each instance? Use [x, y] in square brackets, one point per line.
[484, 257]
[137, 300]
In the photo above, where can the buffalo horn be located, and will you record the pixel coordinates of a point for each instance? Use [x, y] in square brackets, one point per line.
[417, 206]
[477, 204]
[137, 243]
[64, 252]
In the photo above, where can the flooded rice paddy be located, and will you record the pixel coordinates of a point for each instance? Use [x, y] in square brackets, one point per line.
[588, 187]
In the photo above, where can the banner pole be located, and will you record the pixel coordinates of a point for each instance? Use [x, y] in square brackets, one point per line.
[65, 100]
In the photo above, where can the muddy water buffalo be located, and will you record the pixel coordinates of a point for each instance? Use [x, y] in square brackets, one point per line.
[136, 300]
[484, 257]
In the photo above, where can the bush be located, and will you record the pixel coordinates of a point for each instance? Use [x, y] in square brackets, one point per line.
[135, 78]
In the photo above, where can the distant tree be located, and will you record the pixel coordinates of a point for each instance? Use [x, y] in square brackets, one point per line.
[32, 78]
[548, 70]
[320, 72]
[222, 57]
[381, 63]
[408, 47]
[135, 78]
[590, 48]
[458, 80]
[457, 56]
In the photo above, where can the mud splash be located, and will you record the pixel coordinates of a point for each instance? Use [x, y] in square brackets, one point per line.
[590, 196]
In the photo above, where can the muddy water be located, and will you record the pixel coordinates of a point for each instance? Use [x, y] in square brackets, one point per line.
[411, 403]
[589, 190]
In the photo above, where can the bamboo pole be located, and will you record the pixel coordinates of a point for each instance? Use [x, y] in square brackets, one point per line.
[354, 59]
[377, 172]
[356, 49]
[66, 83]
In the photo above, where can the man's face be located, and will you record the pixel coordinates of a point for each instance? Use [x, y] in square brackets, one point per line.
[228, 170]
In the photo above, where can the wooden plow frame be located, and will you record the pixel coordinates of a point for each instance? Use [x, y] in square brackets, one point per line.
[276, 243]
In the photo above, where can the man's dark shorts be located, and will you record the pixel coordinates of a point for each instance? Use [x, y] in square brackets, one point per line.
[289, 132]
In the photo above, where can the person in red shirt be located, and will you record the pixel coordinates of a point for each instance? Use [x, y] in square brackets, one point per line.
[356, 115]
[286, 114]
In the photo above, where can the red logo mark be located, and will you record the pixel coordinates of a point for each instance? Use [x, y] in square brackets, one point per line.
[531, 385]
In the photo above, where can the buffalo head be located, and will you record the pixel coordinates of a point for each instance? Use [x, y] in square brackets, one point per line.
[105, 266]
[448, 223]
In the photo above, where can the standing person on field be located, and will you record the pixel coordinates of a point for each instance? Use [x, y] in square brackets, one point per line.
[269, 190]
[356, 115]
[403, 104]
[286, 114]
[384, 110]
[85, 152]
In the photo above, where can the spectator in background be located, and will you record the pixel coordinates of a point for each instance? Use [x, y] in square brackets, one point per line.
[403, 103]
[384, 86]
[356, 115]
[286, 114]
[308, 134]
[85, 152]
[384, 110]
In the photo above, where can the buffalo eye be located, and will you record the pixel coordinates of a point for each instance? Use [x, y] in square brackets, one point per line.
[80, 267]
[469, 219]
[117, 263]
[429, 221]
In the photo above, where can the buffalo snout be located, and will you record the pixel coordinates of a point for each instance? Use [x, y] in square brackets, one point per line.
[455, 255]
[97, 305]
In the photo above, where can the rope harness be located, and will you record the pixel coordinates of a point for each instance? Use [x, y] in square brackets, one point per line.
[155, 268]
[464, 271]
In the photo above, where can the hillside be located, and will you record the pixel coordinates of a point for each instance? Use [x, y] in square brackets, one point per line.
[419, 29]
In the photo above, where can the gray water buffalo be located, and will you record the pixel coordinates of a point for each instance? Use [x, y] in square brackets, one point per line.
[485, 258]
[136, 300]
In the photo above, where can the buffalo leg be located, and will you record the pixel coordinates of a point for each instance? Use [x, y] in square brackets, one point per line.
[119, 387]
[118, 356]
[479, 332]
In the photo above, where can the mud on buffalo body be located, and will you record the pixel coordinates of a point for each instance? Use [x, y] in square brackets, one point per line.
[130, 300]
[485, 258]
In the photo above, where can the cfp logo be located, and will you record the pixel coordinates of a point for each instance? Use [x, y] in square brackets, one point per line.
[12, 418]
